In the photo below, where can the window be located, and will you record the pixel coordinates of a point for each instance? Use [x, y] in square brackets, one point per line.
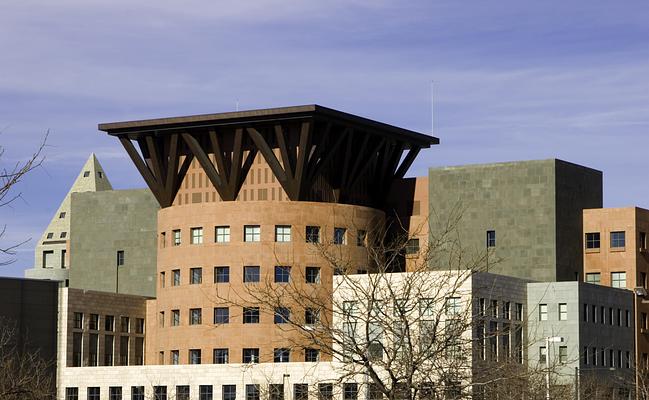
[50, 235]
[251, 274]
[48, 259]
[311, 316]
[617, 239]
[137, 392]
[71, 393]
[222, 234]
[62, 215]
[300, 391]
[282, 274]
[361, 238]
[176, 277]
[251, 315]
[313, 234]
[221, 356]
[194, 356]
[325, 391]
[642, 240]
[221, 274]
[251, 233]
[176, 237]
[182, 392]
[205, 392]
[78, 320]
[109, 323]
[252, 392]
[195, 316]
[221, 315]
[123, 350]
[494, 308]
[618, 279]
[453, 306]
[115, 393]
[311, 355]
[63, 257]
[195, 276]
[374, 392]
[163, 239]
[120, 258]
[281, 355]
[350, 391]
[250, 356]
[282, 233]
[86, 174]
[543, 353]
[175, 357]
[124, 323]
[94, 322]
[543, 312]
[426, 307]
[159, 393]
[312, 275]
[229, 392]
[412, 246]
[63, 235]
[175, 317]
[340, 236]
[592, 240]
[276, 391]
[162, 279]
[491, 238]
[563, 311]
[507, 308]
[563, 354]
[93, 393]
[593, 277]
[196, 235]
[282, 315]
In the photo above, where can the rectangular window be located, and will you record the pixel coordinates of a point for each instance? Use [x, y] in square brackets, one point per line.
[312, 234]
[311, 316]
[222, 234]
[176, 277]
[176, 237]
[250, 356]
[340, 236]
[642, 241]
[281, 355]
[250, 315]
[175, 317]
[163, 239]
[182, 392]
[125, 324]
[426, 307]
[229, 392]
[77, 338]
[195, 276]
[374, 392]
[120, 258]
[63, 258]
[48, 259]
[618, 239]
[109, 343]
[251, 274]
[593, 277]
[494, 308]
[161, 319]
[592, 240]
[453, 306]
[519, 312]
[491, 239]
[195, 356]
[205, 392]
[252, 392]
[137, 392]
[221, 274]
[139, 325]
[123, 350]
[78, 320]
[221, 315]
[93, 349]
[350, 391]
[94, 322]
[300, 391]
[412, 246]
[93, 393]
[195, 316]
[361, 238]
[543, 312]
[282, 315]
[563, 312]
[312, 275]
[276, 391]
[221, 356]
[196, 235]
[282, 233]
[311, 355]
[282, 274]
[162, 279]
[251, 233]
[563, 354]
[175, 357]
[63, 235]
[325, 391]
[618, 279]
[159, 393]
[115, 393]
[542, 354]
[507, 308]
[62, 215]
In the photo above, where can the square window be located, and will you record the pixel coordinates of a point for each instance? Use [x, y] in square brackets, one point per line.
[175, 317]
[182, 392]
[282, 274]
[563, 312]
[71, 393]
[340, 236]
[453, 306]
[93, 393]
[282, 315]
[281, 355]
[252, 392]
[325, 391]
[63, 235]
[194, 356]
[221, 356]
[195, 276]
[229, 392]
[160, 392]
[62, 215]
[251, 274]
[361, 238]
[176, 237]
[491, 238]
[221, 315]
[86, 174]
[282, 233]
[251, 233]
[222, 234]
[618, 279]
[276, 391]
[250, 356]
[120, 258]
[592, 240]
[311, 355]
[313, 234]
[593, 277]
[312, 275]
[618, 239]
[300, 391]
[221, 274]
[251, 315]
[137, 392]
[196, 235]
[115, 393]
[176, 277]
[350, 391]
[50, 235]
[311, 316]
[412, 246]
[543, 312]
[195, 316]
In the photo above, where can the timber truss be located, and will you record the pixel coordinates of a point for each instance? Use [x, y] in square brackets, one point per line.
[315, 153]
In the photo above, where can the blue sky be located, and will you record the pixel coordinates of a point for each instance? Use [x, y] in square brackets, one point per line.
[514, 80]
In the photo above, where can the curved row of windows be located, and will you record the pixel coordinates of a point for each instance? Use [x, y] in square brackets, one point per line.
[247, 315]
[224, 356]
[249, 274]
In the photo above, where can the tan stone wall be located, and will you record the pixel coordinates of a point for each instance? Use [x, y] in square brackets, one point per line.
[236, 254]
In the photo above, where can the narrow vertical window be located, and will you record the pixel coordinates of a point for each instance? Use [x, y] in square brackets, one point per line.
[491, 238]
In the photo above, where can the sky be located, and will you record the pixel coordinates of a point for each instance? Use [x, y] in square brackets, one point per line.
[511, 80]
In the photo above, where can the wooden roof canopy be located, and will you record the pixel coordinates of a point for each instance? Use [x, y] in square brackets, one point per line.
[324, 154]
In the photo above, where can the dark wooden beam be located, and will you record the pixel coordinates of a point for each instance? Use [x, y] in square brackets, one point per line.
[211, 172]
[407, 162]
[144, 170]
